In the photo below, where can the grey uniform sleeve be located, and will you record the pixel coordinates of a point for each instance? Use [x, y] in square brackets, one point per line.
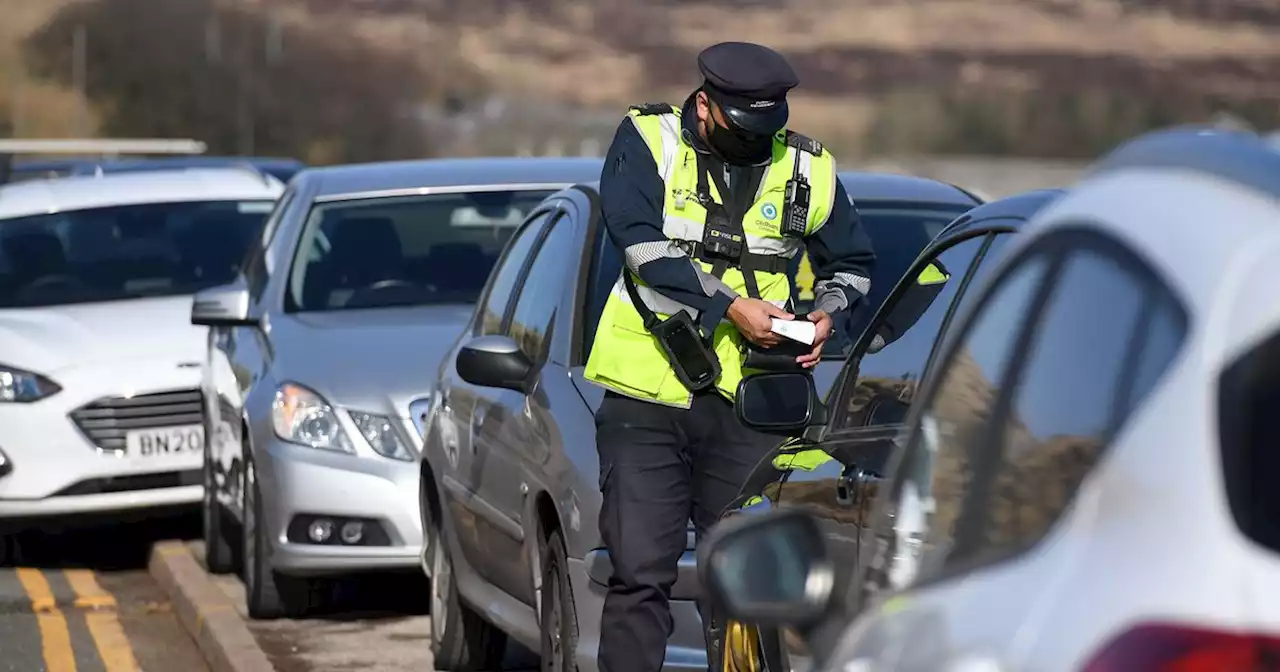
[841, 257]
[631, 197]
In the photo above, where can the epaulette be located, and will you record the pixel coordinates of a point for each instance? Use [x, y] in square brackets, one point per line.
[653, 108]
[804, 143]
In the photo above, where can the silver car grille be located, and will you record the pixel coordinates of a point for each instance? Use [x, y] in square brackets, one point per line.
[105, 421]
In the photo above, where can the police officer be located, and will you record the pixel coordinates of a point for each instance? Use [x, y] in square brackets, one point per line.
[709, 203]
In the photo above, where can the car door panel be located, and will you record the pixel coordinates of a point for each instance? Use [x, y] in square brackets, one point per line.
[517, 445]
[466, 425]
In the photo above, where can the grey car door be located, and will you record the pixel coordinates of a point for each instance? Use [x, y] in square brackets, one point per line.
[462, 419]
[517, 436]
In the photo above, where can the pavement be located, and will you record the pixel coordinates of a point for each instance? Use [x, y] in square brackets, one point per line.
[136, 598]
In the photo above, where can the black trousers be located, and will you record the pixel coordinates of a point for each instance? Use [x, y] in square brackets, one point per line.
[661, 467]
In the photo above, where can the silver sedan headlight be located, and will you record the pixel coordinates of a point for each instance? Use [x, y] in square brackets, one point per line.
[301, 416]
[382, 435]
[19, 386]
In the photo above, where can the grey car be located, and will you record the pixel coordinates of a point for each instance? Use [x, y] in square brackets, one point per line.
[510, 477]
[363, 277]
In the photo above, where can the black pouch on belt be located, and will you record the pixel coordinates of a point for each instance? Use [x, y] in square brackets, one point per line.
[691, 359]
[781, 357]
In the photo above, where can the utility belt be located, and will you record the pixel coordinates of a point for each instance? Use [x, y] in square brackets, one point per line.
[724, 245]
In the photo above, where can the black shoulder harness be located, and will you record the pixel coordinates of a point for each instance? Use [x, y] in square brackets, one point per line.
[653, 108]
[804, 143]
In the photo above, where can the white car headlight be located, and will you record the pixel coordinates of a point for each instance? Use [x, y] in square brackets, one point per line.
[382, 435]
[303, 417]
[18, 386]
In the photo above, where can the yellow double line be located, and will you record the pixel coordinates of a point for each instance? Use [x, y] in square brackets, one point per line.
[100, 617]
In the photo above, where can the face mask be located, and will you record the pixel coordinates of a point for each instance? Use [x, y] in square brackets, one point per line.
[739, 148]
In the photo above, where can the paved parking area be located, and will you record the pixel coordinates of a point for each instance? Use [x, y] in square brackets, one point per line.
[83, 601]
[377, 623]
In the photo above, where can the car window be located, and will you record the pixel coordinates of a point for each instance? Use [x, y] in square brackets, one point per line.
[930, 487]
[125, 252]
[898, 231]
[542, 289]
[403, 251]
[255, 264]
[504, 279]
[1072, 394]
[887, 378]
[990, 260]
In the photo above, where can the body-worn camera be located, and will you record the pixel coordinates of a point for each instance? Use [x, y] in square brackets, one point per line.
[720, 238]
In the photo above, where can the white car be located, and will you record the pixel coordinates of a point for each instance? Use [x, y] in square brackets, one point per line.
[1089, 478]
[99, 364]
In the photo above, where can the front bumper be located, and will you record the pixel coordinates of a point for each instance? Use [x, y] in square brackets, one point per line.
[300, 481]
[54, 468]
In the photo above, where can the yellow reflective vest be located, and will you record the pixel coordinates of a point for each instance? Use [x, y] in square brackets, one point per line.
[625, 357]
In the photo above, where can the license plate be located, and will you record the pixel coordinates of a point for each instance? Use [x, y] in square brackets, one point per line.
[165, 444]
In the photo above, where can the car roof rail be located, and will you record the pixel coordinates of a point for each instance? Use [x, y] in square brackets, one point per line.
[100, 147]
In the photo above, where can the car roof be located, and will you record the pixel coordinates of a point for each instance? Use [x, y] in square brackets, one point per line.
[891, 186]
[1017, 209]
[33, 197]
[361, 178]
[1202, 208]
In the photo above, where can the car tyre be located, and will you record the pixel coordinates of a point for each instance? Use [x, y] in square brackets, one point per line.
[268, 594]
[461, 641]
[558, 617]
[219, 555]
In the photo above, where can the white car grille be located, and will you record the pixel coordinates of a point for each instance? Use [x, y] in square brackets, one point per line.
[105, 421]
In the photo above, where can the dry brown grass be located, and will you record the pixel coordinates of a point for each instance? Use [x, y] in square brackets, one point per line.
[43, 109]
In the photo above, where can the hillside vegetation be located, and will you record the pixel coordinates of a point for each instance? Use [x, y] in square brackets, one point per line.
[1052, 78]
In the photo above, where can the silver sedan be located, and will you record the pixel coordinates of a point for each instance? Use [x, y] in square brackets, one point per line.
[320, 350]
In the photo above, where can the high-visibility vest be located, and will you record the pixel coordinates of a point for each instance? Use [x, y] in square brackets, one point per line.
[625, 357]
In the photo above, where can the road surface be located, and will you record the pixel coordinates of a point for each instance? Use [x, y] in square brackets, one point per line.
[82, 601]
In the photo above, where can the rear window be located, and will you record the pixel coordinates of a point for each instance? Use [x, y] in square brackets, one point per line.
[1248, 394]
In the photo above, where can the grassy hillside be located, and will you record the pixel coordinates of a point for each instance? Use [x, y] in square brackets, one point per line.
[1029, 77]
[35, 107]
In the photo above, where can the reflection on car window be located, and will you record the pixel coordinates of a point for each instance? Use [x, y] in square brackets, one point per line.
[898, 232]
[990, 260]
[255, 267]
[504, 280]
[887, 379]
[404, 251]
[125, 252]
[930, 490]
[1067, 403]
[540, 294]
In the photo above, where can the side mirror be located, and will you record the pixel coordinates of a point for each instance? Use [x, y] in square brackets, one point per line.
[222, 306]
[494, 361]
[779, 402]
[772, 569]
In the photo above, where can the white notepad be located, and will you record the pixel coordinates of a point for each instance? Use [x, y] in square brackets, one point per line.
[796, 330]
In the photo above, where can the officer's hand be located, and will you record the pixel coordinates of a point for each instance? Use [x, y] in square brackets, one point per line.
[754, 318]
[822, 320]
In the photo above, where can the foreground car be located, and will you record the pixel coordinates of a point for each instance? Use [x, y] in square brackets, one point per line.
[99, 400]
[510, 474]
[834, 476]
[1086, 478]
[321, 351]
